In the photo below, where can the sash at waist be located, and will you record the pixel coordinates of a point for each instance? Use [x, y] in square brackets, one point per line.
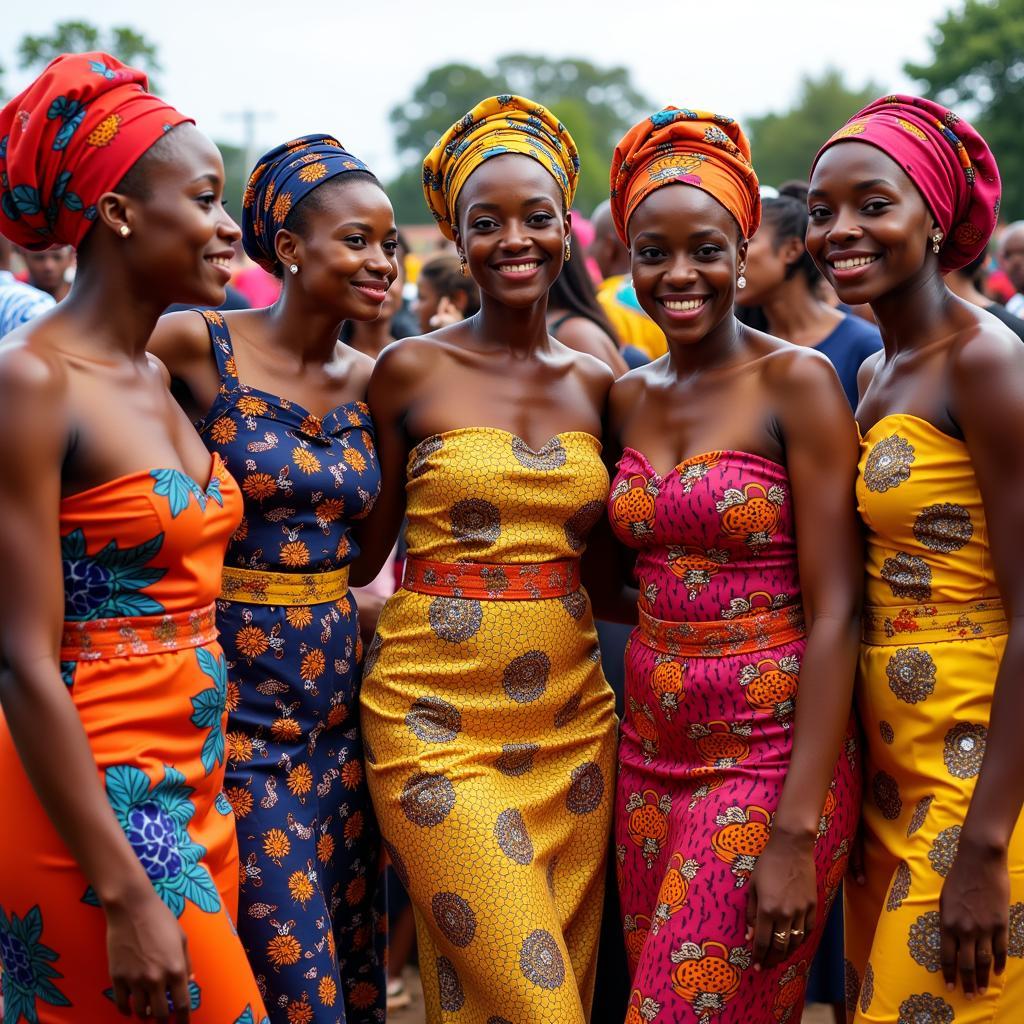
[717, 638]
[931, 623]
[250, 586]
[493, 581]
[127, 637]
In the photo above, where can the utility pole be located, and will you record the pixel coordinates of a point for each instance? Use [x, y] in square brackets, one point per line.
[249, 118]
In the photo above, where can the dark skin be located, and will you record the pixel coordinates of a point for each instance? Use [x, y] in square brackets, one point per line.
[500, 368]
[89, 406]
[723, 386]
[46, 269]
[949, 363]
[347, 261]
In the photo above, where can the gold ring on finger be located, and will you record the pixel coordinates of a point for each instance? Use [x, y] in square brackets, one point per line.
[781, 937]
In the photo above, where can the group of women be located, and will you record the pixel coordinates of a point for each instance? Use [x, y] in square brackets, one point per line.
[203, 768]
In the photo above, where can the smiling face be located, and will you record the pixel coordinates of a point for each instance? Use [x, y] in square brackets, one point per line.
[345, 245]
[870, 231]
[685, 256]
[181, 237]
[512, 229]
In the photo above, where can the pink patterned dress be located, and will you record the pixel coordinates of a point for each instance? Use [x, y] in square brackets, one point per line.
[712, 674]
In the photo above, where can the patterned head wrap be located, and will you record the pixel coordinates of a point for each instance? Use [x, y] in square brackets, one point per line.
[494, 127]
[72, 135]
[689, 146]
[282, 178]
[946, 159]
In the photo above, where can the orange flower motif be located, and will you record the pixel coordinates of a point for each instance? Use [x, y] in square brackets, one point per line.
[354, 825]
[300, 780]
[312, 425]
[230, 367]
[355, 459]
[337, 715]
[298, 616]
[234, 697]
[239, 747]
[285, 729]
[352, 773]
[268, 197]
[325, 848]
[243, 530]
[240, 799]
[251, 641]
[327, 990]
[368, 442]
[355, 891]
[313, 665]
[276, 845]
[353, 417]
[344, 606]
[105, 132]
[330, 509]
[300, 887]
[363, 994]
[282, 204]
[305, 460]
[259, 486]
[313, 172]
[224, 430]
[213, 317]
[294, 553]
[284, 950]
[250, 405]
[299, 1011]
[344, 547]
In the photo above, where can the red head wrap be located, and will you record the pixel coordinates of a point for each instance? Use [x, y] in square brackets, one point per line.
[68, 138]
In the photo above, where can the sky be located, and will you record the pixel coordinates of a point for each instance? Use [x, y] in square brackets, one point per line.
[340, 66]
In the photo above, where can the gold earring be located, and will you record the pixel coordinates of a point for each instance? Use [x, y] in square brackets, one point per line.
[463, 266]
[568, 251]
[124, 230]
[936, 241]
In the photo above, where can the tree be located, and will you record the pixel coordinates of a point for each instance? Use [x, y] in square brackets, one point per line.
[783, 145]
[77, 36]
[978, 61]
[596, 104]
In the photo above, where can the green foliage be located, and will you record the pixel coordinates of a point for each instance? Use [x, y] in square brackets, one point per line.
[783, 145]
[235, 175]
[596, 104]
[977, 64]
[77, 36]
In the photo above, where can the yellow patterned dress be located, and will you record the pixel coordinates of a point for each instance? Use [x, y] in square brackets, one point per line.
[934, 637]
[490, 729]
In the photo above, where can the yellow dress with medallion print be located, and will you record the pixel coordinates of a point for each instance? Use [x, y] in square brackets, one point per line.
[490, 732]
[934, 636]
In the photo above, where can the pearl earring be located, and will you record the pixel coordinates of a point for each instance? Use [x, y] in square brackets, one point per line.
[741, 281]
[936, 241]
[294, 268]
[124, 230]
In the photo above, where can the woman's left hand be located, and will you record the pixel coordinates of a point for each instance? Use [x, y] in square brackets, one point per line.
[783, 898]
[974, 918]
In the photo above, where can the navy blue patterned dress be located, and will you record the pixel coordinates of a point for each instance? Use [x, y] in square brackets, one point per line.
[311, 913]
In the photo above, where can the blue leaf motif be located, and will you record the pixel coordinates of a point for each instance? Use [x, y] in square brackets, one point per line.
[198, 888]
[100, 68]
[222, 804]
[89, 897]
[127, 786]
[73, 202]
[26, 199]
[208, 707]
[177, 487]
[213, 491]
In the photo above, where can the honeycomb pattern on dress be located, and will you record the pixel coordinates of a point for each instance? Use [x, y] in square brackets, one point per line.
[490, 735]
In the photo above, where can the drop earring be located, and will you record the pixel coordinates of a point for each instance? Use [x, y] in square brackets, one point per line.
[463, 266]
[741, 281]
[568, 251]
[936, 241]
[294, 268]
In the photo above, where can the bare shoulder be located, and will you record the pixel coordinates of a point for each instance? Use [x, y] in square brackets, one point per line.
[795, 371]
[408, 359]
[180, 339]
[360, 368]
[866, 372]
[33, 395]
[984, 350]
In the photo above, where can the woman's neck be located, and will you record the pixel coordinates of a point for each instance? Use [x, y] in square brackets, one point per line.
[915, 313]
[521, 330]
[304, 329]
[716, 349]
[796, 315]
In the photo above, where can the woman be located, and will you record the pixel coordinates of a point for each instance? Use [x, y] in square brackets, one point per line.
[371, 337]
[489, 727]
[903, 193]
[444, 293]
[119, 873]
[734, 492]
[782, 297]
[281, 399]
[576, 318]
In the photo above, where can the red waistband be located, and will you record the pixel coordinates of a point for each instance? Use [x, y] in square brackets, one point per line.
[493, 581]
[95, 639]
[716, 638]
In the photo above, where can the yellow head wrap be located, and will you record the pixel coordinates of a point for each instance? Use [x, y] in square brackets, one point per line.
[494, 127]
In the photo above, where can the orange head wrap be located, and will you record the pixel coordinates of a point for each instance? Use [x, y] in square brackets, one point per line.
[689, 146]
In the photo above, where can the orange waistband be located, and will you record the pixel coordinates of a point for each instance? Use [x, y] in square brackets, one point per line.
[495, 581]
[717, 638]
[127, 637]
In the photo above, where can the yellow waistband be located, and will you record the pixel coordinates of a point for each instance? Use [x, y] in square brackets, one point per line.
[931, 623]
[283, 588]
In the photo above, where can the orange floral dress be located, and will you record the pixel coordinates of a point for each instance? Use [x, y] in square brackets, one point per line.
[142, 560]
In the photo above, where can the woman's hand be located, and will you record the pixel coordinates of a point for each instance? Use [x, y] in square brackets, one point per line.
[974, 917]
[783, 898]
[148, 957]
